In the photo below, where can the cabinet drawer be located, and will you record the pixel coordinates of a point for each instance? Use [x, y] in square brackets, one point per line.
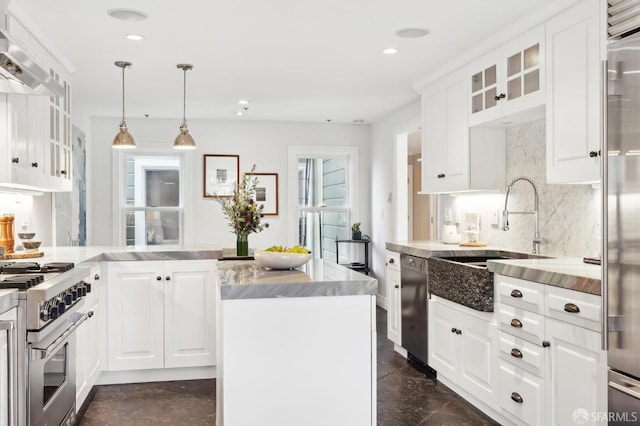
[521, 323]
[521, 394]
[522, 353]
[520, 293]
[574, 307]
[393, 260]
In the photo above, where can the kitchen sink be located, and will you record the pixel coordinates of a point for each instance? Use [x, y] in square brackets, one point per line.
[464, 278]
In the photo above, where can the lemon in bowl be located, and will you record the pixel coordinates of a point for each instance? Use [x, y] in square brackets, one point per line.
[278, 257]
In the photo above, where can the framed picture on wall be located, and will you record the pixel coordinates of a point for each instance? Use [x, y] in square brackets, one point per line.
[221, 174]
[267, 192]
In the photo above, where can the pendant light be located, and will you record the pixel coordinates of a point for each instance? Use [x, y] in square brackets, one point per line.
[184, 139]
[123, 139]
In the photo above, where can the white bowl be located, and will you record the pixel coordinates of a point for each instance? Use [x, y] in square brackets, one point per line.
[281, 260]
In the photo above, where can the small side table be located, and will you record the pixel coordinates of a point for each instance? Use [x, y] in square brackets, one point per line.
[356, 266]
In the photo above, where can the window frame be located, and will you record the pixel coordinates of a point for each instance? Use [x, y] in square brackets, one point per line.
[119, 191]
[297, 152]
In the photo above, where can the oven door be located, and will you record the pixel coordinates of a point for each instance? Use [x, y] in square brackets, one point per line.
[52, 375]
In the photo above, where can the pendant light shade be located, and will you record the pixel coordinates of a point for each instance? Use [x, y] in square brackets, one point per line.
[184, 139]
[123, 139]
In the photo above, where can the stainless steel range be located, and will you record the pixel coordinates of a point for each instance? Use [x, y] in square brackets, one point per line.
[50, 300]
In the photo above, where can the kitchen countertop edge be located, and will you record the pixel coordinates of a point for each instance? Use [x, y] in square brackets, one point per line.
[317, 278]
[558, 271]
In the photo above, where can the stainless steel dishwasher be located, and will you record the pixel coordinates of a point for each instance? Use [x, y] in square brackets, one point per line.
[413, 298]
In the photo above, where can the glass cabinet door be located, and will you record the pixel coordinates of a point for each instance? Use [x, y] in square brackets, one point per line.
[523, 72]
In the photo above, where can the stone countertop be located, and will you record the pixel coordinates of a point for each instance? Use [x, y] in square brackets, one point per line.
[567, 272]
[113, 254]
[246, 279]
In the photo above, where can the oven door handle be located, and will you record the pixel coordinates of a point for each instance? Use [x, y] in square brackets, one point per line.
[10, 328]
[42, 353]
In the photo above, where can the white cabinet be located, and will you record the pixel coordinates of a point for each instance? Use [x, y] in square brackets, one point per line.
[551, 363]
[59, 112]
[463, 349]
[161, 314]
[574, 99]
[89, 341]
[576, 373]
[509, 81]
[456, 158]
[8, 356]
[394, 312]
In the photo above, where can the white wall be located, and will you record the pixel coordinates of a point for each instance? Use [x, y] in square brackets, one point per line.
[383, 141]
[261, 143]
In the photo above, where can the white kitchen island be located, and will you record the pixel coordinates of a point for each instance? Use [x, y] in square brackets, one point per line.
[295, 347]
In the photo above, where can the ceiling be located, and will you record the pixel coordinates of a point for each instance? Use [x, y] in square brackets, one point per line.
[294, 60]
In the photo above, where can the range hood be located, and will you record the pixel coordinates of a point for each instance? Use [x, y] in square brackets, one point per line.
[20, 74]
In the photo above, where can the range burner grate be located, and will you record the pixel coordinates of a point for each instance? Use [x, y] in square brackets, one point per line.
[57, 267]
[20, 268]
[22, 282]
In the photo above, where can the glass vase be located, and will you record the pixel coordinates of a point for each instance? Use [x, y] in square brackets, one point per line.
[242, 245]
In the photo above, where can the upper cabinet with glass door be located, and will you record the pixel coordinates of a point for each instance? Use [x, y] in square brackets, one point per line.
[508, 83]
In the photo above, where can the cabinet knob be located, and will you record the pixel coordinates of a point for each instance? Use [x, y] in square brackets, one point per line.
[594, 154]
[458, 332]
[397, 286]
[159, 278]
[572, 308]
[453, 330]
[15, 160]
[96, 277]
[500, 96]
[546, 344]
[392, 261]
[440, 175]
[63, 172]
[90, 314]
[516, 397]
[516, 353]
[516, 293]
[168, 278]
[516, 323]
[35, 164]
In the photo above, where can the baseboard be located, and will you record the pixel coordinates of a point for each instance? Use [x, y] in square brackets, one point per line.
[156, 375]
[402, 351]
[382, 301]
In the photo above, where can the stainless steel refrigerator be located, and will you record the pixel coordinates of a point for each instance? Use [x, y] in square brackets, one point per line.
[621, 190]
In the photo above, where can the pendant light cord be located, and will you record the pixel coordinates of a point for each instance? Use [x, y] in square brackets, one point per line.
[123, 93]
[184, 97]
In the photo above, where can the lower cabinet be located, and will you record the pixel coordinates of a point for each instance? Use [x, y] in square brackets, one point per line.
[89, 363]
[552, 368]
[161, 314]
[464, 349]
[394, 311]
[8, 356]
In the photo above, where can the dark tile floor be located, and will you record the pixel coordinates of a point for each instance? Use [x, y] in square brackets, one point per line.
[406, 397]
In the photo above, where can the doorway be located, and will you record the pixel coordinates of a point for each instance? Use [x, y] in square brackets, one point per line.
[415, 212]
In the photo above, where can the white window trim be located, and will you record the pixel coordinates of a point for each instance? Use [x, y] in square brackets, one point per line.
[295, 152]
[117, 191]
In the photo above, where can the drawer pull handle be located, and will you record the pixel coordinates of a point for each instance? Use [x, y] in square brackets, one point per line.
[516, 293]
[571, 308]
[516, 397]
[516, 323]
[516, 353]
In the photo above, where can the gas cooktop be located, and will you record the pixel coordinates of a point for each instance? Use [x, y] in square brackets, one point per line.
[24, 275]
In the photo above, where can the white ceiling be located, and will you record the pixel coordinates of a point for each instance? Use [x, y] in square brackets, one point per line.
[295, 60]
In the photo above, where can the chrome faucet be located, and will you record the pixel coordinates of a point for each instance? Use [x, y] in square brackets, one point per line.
[505, 213]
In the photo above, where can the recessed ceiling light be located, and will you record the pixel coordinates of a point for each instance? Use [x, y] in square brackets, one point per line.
[127, 14]
[239, 113]
[243, 102]
[134, 37]
[390, 51]
[412, 32]
[358, 121]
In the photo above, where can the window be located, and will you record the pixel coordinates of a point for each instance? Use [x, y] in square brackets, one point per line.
[324, 187]
[152, 207]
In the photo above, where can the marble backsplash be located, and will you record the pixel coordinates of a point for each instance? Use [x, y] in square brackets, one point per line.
[569, 214]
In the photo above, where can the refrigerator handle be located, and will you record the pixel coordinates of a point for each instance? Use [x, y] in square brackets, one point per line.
[604, 217]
